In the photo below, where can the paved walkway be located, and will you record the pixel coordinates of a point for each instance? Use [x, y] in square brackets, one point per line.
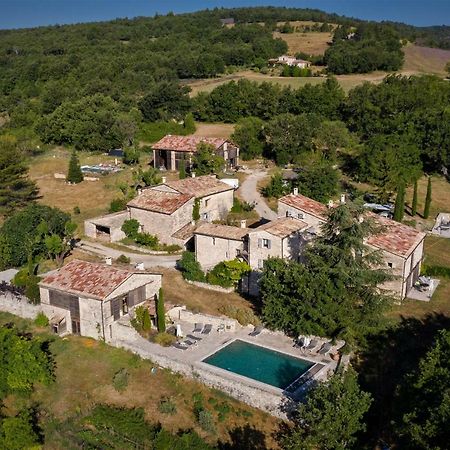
[148, 260]
[249, 192]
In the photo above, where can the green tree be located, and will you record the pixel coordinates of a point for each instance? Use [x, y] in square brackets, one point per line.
[248, 135]
[161, 312]
[145, 178]
[182, 171]
[228, 273]
[74, 175]
[414, 200]
[318, 180]
[206, 162]
[276, 187]
[196, 210]
[331, 416]
[336, 291]
[131, 156]
[131, 228]
[190, 268]
[428, 391]
[426, 209]
[399, 208]
[18, 433]
[189, 123]
[16, 190]
[22, 236]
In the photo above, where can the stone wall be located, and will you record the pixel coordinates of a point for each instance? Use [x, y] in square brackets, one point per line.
[216, 206]
[19, 306]
[212, 287]
[181, 313]
[126, 337]
[210, 251]
[258, 253]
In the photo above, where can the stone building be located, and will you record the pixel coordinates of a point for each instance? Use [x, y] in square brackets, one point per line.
[401, 246]
[86, 298]
[171, 151]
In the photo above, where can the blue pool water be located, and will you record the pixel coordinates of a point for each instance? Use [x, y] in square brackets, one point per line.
[259, 363]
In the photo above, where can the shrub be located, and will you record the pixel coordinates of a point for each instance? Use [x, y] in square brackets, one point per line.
[41, 320]
[76, 210]
[141, 321]
[240, 206]
[190, 268]
[29, 284]
[436, 271]
[228, 273]
[166, 406]
[147, 240]
[197, 398]
[131, 228]
[120, 380]
[118, 204]
[131, 156]
[206, 422]
[74, 175]
[223, 409]
[122, 259]
[164, 339]
[244, 316]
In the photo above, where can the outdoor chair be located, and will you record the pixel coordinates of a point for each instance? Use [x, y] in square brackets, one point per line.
[198, 328]
[180, 346]
[256, 331]
[189, 342]
[325, 349]
[207, 329]
[193, 338]
[300, 342]
[311, 345]
[221, 328]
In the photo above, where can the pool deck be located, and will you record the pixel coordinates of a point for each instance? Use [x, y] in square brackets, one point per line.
[189, 362]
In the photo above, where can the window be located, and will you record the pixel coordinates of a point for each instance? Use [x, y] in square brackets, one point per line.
[300, 215]
[206, 202]
[205, 216]
[214, 241]
[390, 264]
[266, 243]
[124, 305]
[260, 263]
[288, 214]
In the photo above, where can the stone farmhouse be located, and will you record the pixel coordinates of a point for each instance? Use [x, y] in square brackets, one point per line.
[280, 238]
[171, 150]
[166, 210]
[290, 61]
[401, 246]
[85, 298]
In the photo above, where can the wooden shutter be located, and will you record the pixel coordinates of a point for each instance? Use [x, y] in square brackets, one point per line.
[269, 243]
[259, 243]
[136, 296]
[115, 307]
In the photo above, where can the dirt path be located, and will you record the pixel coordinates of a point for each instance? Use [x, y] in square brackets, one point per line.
[249, 192]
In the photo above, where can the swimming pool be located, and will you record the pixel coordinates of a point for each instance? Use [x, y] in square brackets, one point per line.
[259, 363]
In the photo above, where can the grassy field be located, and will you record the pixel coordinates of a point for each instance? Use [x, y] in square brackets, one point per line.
[309, 43]
[84, 370]
[222, 130]
[425, 60]
[92, 197]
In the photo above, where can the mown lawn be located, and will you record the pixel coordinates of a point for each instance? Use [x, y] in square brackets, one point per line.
[84, 371]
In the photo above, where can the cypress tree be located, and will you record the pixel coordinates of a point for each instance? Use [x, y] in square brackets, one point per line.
[160, 312]
[74, 175]
[182, 172]
[426, 210]
[414, 200]
[196, 210]
[399, 208]
[146, 322]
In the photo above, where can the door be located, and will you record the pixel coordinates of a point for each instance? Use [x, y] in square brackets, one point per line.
[76, 329]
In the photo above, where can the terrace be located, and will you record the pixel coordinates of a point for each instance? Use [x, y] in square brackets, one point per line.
[191, 362]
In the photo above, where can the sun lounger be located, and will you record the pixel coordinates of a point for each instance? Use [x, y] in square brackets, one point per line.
[256, 331]
[180, 346]
[193, 338]
[300, 342]
[325, 349]
[207, 329]
[198, 328]
[311, 345]
[188, 342]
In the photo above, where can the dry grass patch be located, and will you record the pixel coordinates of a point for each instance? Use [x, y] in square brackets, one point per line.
[92, 197]
[425, 59]
[311, 43]
[221, 130]
[178, 292]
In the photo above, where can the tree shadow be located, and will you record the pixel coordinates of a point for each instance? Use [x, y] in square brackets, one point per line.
[244, 438]
[383, 364]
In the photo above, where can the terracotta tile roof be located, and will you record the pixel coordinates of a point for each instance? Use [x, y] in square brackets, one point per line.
[283, 227]
[305, 204]
[222, 231]
[159, 201]
[199, 186]
[186, 143]
[88, 279]
[396, 238]
[184, 233]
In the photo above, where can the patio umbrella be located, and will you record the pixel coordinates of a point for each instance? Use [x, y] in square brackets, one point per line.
[179, 331]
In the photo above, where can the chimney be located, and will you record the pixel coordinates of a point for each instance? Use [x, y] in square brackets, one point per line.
[108, 261]
[342, 199]
[243, 223]
[295, 192]
[163, 180]
[330, 203]
[139, 266]
[193, 174]
[139, 191]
